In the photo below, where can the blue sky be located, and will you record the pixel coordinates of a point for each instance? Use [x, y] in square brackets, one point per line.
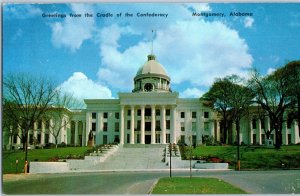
[98, 57]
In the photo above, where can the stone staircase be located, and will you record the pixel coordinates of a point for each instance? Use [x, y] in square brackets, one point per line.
[135, 157]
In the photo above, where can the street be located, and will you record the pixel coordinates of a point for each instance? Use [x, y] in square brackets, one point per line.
[257, 182]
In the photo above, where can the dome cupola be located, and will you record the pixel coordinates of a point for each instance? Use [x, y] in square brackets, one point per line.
[151, 77]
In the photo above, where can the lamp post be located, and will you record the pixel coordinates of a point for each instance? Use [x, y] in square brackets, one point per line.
[170, 154]
[190, 139]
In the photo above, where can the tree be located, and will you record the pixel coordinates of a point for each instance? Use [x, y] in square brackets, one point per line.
[217, 98]
[231, 98]
[26, 100]
[291, 72]
[272, 94]
[60, 114]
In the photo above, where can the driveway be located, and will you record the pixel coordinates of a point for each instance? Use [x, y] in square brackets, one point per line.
[257, 182]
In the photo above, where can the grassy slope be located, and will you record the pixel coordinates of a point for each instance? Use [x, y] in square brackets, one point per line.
[9, 158]
[179, 185]
[253, 157]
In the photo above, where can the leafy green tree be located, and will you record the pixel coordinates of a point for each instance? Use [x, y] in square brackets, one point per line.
[272, 93]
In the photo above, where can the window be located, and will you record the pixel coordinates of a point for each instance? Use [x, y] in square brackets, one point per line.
[194, 114]
[15, 139]
[157, 138]
[206, 114]
[147, 112]
[157, 112]
[206, 126]
[30, 138]
[47, 124]
[194, 139]
[194, 126]
[117, 139]
[117, 115]
[254, 138]
[289, 138]
[168, 124]
[40, 124]
[105, 126]
[167, 138]
[262, 124]
[94, 115]
[46, 138]
[253, 123]
[289, 123]
[157, 125]
[138, 136]
[263, 138]
[93, 126]
[105, 115]
[117, 126]
[182, 128]
[39, 138]
[128, 138]
[104, 139]
[139, 112]
[182, 138]
[128, 124]
[182, 114]
[167, 112]
[128, 112]
[138, 126]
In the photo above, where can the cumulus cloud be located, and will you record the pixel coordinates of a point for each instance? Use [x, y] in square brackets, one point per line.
[248, 22]
[192, 51]
[84, 88]
[191, 93]
[21, 11]
[72, 32]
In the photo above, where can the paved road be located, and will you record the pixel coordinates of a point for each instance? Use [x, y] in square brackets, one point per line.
[258, 182]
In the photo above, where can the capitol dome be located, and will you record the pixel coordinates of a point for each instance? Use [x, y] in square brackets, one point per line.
[152, 76]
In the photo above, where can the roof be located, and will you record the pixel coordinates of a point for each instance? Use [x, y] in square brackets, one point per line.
[152, 67]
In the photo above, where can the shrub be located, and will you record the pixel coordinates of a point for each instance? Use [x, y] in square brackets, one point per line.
[49, 145]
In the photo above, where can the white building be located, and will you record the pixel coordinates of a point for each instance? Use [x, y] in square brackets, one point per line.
[153, 114]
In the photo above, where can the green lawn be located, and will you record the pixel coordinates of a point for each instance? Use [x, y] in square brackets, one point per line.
[252, 157]
[180, 185]
[9, 158]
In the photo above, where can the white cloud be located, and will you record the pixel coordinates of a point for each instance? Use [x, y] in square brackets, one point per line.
[191, 51]
[199, 7]
[248, 22]
[270, 70]
[73, 31]
[191, 93]
[83, 88]
[21, 11]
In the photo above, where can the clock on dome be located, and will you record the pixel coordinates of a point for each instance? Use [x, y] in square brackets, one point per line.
[148, 87]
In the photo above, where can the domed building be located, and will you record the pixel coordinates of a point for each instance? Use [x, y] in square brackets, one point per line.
[151, 114]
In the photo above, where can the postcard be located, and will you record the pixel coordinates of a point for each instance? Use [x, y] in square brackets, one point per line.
[108, 98]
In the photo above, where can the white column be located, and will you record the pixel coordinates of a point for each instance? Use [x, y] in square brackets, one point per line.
[218, 130]
[132, 125]
[142, 124]
[152, 124]
[34, 131]
[163, 124]
[173, 132]
[258, 132]
[122, 125]
[51, 137]
[294, 132]
[99, 128]
[284, 133]
[20, 134]
[87, 128]
[43, 133]
[83, 134]
[198, 128]
[76, 133]
[212, 128]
